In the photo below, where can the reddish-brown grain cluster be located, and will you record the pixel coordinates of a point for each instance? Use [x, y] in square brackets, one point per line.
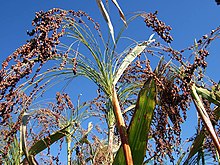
[173, 86]
[160, 27]
[23, 66]
[28, 60]
[171, 105]
[174, 96]
[36, 51]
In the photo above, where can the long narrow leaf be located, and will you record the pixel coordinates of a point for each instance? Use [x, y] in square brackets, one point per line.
[205, 117]
[120, 12]
[196, 146]
[48, 141]
[140, 125]
[130, 57]
[106, 17]
[198, 142]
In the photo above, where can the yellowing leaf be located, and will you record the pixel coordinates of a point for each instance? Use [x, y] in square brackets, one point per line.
[130, 57]
[212, 96]
[205, 117]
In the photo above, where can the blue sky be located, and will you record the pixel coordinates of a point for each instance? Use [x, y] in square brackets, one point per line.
[190, 19]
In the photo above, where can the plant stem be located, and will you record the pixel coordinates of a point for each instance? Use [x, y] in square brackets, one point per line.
[110, 140]
[122, 128]
[20, 144]
[69, 152]
[205, 117]
[110, 137]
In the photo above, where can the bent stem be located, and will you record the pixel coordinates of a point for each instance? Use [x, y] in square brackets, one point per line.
[122, 128]
[205, 117]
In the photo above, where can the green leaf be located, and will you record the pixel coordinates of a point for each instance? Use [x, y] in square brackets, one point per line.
[180, 159]
[48, 141]
[212, 96]
[217, 113]
[130, 57]
[196, 146]
[140, 124]
[198, 142]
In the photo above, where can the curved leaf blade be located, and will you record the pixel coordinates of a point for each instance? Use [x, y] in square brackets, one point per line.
[205, 117]
[198, 142]
[138, 49]
[48, 141]
[106, 17]
[120, 12]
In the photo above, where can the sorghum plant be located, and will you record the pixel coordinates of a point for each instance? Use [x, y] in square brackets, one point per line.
[143, 108]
